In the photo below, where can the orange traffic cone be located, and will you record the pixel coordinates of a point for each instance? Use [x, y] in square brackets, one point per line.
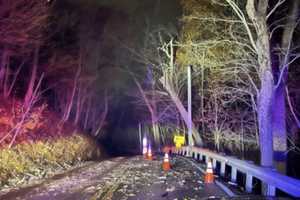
[145, 152]
[166, 164]
[149, 154]
[209, 175]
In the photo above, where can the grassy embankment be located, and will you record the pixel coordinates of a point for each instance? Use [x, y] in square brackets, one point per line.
[42, 148]
[41, 159]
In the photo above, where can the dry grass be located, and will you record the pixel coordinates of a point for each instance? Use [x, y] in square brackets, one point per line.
[38, 159]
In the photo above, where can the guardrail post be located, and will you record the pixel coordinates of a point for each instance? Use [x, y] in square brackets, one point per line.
[214, 163]
[233, 174]
[207, 159]
[270, 190]
[249, 181]
[223, 167]
[191, 152]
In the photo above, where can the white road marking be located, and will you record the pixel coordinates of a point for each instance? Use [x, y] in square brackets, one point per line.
[221, 185]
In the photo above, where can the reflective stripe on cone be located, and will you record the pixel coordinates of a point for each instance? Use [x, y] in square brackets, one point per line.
[209, 174]
[166, 163]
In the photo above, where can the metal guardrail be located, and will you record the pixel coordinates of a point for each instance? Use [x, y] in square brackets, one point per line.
[270, 177]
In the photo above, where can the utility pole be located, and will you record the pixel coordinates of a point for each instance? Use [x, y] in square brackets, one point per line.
[140, 137]
[189, 79]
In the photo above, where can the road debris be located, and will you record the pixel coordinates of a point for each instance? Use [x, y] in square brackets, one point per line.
[124, 179]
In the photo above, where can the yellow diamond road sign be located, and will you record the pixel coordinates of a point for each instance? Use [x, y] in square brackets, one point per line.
[179, 140]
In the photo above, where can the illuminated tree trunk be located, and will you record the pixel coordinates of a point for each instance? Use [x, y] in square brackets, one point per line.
[216, 127]
[87, 113]
[17, 129]
[265, 100]
[30, 88]
[168, 81]
[103, 116]
[152, 110]
[279, 128]
[79, 103]
[181, 109]
[258, 14]
[154, 114]
[71, 100]
[78, 106]
[9, 85]
[156, 133]
[202, 100]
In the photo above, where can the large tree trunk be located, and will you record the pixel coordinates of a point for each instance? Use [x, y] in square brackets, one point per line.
[265, 119]
[279, 107]
[257, 12]
[279, 128]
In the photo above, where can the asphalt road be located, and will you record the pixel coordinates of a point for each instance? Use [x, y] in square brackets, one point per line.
[124, 178]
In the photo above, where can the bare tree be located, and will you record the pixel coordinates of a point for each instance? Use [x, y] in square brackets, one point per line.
[21, 32]
[98, 126]
[72, 95]
[224, 69]
[17, 129]
[151, 105]
[259, 39]
[29, 93]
